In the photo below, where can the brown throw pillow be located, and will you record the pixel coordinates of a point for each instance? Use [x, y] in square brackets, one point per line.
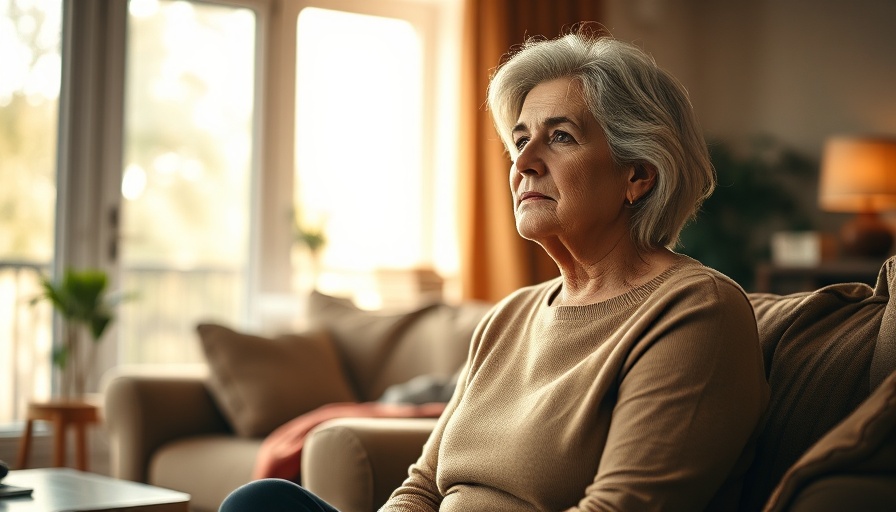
[261, 383]
[864, 443]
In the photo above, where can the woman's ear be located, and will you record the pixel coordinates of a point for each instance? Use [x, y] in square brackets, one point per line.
[641, 180]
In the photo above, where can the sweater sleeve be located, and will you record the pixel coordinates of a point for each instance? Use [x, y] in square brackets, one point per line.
[420, 492]
[691, 393]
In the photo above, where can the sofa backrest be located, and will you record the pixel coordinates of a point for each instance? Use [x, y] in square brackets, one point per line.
[819, 349]
[380, 349]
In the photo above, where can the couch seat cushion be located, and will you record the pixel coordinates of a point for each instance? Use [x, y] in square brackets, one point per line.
[206, 467]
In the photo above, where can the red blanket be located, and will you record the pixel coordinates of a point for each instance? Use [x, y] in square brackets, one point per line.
[281, 452]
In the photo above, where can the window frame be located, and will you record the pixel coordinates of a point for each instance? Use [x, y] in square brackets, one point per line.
[90, 145]
[91, 122]
[437, 21]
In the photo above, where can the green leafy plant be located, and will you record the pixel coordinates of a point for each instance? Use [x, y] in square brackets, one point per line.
[313, 239]
[757, 194]
[81, 300]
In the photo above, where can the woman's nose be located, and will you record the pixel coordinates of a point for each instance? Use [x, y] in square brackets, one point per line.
[529, 161]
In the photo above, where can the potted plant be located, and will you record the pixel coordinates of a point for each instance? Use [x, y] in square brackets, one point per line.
[86, 309]
[756, 195]
[313, 239]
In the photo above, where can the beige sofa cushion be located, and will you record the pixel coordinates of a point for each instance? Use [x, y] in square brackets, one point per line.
[863, 444]
[818, 349]
[382, 348]
[261, 383]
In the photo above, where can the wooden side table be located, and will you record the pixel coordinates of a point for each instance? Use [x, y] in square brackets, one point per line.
[63, 414]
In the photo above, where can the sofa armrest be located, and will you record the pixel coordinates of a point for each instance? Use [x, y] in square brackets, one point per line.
[356, 463]
[143, 412]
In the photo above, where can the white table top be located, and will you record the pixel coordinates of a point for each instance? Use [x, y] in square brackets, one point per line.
[69, 490]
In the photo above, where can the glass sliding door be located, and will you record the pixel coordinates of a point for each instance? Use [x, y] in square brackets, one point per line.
[359, 148]
[376, 134]
[30, 69]
[187, 180]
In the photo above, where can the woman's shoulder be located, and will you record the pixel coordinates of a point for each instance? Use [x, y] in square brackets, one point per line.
[689, 276]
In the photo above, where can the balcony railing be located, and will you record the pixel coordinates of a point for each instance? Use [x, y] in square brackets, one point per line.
[25, 338]
[159, 325]
[156, 327]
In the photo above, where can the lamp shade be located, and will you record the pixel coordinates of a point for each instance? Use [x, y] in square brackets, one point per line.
[858, 175]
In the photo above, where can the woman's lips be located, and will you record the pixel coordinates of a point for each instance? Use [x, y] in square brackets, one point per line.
[533, 196]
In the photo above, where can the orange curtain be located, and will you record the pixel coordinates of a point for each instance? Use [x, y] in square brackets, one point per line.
[495, 260]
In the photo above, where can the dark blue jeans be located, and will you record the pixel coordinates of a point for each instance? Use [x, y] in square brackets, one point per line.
[274, 495]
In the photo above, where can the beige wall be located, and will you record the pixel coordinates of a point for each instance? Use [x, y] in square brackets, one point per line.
[800, 70]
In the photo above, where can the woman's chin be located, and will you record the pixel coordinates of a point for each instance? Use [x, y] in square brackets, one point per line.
[533, 231]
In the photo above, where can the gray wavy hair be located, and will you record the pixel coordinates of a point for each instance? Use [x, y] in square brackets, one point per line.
[645, 114]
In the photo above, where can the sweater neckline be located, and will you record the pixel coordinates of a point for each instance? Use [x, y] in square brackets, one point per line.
[632, 297]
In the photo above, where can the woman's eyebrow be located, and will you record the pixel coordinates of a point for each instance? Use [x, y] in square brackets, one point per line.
[549, 122]
[554, 121]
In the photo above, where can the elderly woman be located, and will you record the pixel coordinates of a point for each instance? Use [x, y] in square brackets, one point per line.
[633, 381]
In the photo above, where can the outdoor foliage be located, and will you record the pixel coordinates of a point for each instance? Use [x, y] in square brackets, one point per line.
[28, 110]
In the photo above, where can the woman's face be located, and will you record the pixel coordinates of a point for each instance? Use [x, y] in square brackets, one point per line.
[564, 183]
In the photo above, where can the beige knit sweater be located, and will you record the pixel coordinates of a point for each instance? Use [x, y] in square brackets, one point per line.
[647, 401]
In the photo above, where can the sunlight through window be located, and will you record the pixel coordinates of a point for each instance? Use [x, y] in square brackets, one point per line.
[359, 131]
[188, 140]
[30, 52]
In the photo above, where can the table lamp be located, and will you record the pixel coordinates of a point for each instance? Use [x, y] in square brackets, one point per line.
[858, 175]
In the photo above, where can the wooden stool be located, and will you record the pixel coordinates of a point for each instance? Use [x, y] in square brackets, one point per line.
[61, 413]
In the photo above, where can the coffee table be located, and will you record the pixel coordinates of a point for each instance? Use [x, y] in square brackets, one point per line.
[69, 490]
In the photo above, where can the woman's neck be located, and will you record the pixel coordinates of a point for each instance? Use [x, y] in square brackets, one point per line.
[619, 271]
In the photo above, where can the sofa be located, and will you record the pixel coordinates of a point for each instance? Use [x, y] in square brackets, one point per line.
[828, 442]
[203, 432]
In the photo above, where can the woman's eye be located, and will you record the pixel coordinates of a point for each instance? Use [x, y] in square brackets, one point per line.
[521, 143]
[561, 137]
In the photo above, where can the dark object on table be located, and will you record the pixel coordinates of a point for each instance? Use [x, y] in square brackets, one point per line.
[8, 491]
[11, 491]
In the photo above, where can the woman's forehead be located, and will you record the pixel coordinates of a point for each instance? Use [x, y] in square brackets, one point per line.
[558, 98]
